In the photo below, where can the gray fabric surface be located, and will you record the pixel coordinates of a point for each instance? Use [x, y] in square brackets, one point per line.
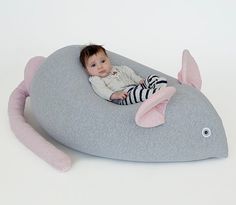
[65, 105]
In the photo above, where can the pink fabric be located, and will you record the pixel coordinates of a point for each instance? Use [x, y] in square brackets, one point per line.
[152, 111]
[189, 73]
[25, 133]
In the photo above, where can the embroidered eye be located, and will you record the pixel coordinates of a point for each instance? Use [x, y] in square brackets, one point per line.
[206, 132]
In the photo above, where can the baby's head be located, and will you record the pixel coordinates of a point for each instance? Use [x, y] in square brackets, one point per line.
[95, 60]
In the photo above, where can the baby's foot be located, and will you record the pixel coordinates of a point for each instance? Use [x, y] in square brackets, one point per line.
[161, 83]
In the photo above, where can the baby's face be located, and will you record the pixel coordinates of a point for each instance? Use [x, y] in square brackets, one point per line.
[98, 65]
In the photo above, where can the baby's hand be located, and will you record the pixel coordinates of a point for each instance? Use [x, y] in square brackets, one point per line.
[141, 81]
[119, 95]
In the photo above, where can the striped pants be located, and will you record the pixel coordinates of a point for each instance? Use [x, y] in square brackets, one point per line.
[141, 92]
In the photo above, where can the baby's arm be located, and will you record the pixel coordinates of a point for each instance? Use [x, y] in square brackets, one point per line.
[103, 91]
[100, 87]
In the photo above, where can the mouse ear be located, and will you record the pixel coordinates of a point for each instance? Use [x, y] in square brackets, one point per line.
[189, 73]
[152, 111]
[31, 68]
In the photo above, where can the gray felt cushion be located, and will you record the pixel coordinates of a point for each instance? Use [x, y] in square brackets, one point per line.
[66, 107]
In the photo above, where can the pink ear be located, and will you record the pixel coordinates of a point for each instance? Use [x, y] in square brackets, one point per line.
[189, 74]
[24, 131]
[31, 68]
[152, 111]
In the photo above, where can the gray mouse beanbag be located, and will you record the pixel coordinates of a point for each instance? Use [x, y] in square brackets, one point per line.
[66, 107]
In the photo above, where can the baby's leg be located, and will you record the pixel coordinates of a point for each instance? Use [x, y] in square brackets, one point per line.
[137, 94]
[154, 81]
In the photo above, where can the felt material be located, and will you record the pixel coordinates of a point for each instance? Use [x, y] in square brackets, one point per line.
[189, 73]
[65, 105]
[152, 112]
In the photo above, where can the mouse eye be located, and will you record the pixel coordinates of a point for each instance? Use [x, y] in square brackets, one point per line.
[206, 132]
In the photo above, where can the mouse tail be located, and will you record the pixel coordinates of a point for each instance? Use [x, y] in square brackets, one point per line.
[24, 131]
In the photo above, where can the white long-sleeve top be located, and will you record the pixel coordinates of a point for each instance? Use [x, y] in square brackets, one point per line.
[119, 78]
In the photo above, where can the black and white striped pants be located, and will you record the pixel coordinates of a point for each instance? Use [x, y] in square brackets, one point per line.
[141, 92]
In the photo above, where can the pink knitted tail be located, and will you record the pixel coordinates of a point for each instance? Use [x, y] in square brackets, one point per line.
[28, 136]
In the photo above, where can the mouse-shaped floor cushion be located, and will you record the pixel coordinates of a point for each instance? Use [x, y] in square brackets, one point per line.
[178, 123]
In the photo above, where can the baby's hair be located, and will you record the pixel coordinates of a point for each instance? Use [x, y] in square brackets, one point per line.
[88, 51]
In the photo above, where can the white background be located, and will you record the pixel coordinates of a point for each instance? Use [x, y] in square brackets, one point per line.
[153, 33]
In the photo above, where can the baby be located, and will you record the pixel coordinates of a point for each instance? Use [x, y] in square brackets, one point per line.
[118, 84]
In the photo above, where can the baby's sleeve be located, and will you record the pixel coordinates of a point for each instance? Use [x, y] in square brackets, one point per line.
[132, 75]
[100, 87]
